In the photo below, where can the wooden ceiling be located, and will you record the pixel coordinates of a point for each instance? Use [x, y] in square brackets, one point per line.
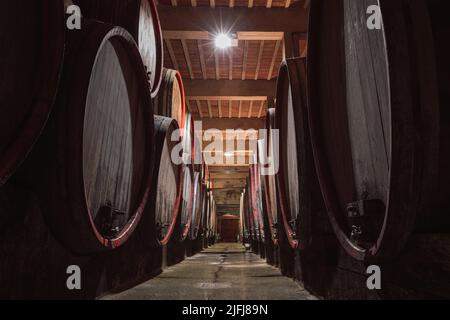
[229, 3]
[229, 88]
[250, 60]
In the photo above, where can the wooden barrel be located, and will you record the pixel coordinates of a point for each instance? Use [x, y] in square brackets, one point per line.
[213, 220]
[188, 137]
[257, 197]
[30, 66]
[167, 182]
[374, 119]
[140, 18]
[188, 175]
[187, 201]
[270, 191]
[170, 101]
[205, 201]
[93, 166]
[208, 215]
[197, 206]
[252, 209]
[247, 226]
[298, 191]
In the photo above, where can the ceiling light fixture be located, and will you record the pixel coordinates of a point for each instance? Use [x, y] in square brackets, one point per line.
[223, 41]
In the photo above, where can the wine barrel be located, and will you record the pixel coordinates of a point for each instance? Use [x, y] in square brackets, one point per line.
[197, 206]
[208, 215]
[298, 191]
[167, 182]
[170, 101]
[374, 120]
[252, 208]
[188, 136]
[187, 203]
[213, 220]
[140, 18]
[247, 229]
[258, 205]
[92, 168]
[254, 212]
[270, 195]
[30, 66]
[188, 175]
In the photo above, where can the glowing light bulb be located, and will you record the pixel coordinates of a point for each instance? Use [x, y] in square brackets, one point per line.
[223, 41]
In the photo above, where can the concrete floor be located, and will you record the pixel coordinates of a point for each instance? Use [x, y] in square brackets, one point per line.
[222, 272]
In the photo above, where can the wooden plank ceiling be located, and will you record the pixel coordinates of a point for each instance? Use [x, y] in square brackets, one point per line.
[250, 60]
[226, 86]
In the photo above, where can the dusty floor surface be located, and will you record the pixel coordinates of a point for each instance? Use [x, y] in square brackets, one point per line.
[222, 272]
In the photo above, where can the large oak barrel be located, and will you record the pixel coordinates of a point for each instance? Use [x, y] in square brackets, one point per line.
[167, 182]
[188, 136]
[257, 187]
[374, 119]
[197, 206]
[254, 214]
[247, 227]
[213, 220]
[187, 201]
[211, 232]
[298, 190]
[170, 101]
[140, 18]
[187, 133]
[270, 187]
[93, 166]
[31, 59]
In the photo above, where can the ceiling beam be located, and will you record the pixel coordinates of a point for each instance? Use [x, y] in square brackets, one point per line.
[228, 184]
[187, 58]
[232, 143]
[230, 65]
[240, 36]
[202, 60]
[233, 123]
[274, 57]
[209, 107]
[228, 98]
[244, 60]
[261, 109]
[233, 19]
[216, 64]
[226, 88]
[226, 169]
[199, 109]
[221, 175]
[212, 165]
[173, 58]
[260, 54]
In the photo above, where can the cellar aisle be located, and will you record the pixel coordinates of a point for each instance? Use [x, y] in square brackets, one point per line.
[222, 272]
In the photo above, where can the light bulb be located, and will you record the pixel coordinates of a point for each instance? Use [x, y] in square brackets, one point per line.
[223, 41]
